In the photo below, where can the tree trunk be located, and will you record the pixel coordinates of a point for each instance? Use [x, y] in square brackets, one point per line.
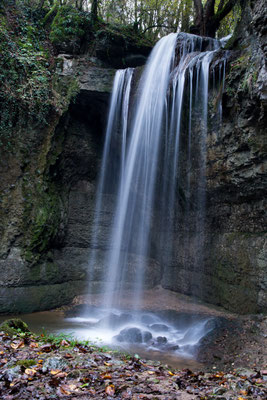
[94, 11]
[206, 22]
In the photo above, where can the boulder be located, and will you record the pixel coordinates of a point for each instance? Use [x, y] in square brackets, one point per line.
[14, 326]
[133, 335]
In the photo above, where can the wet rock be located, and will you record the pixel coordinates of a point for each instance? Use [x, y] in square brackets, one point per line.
[12, 373]
[172, 347]
[54, 363]
[111, 320]
[133, 335]
[219, 390]
[115, 321]
[245, 372]
[130, 335]
[146, 336]
[161, 340]
[159, 327]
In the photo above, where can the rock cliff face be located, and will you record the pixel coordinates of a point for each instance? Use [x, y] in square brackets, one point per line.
[48, 180]
[37, 209]
[229, 268]
[48, 188]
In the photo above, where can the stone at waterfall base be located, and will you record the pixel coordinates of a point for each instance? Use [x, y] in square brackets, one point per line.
[133, 335]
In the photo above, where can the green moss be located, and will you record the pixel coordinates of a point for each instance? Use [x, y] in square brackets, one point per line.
[68, 24]
[42, 216]
[66, 89]
[126, 33]
[14, 326]
[242, 76]
[25, 74]
[26, 363]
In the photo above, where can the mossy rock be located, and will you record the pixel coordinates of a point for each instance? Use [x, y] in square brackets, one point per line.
[69, 28]
[26, 363]
[116, 47]
[14, 326]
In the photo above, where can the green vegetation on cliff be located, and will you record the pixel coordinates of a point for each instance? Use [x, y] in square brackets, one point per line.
[26, 66]
[33, 98]
[69, 24]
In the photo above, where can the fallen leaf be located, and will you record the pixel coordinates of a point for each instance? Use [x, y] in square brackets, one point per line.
[65, 390]
[61, 375]
[17, 345]
[259, 380]
[82, 349]
[151, 372]
[34, 345]
[68, 355]
[170, 373]
[107, 364]
[55, 371]
[110, 390]
[106, 376]
[30, 372]
[46, 348]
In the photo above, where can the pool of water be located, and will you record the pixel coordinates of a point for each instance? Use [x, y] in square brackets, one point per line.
[169, 337]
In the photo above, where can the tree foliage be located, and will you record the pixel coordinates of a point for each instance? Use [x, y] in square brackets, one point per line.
[153, 18]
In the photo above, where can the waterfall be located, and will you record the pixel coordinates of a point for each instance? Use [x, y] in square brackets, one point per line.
[145, 175]
[116, 131]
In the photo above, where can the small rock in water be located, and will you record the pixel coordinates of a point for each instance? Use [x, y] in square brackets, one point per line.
[130, 335]
[133, 335]
[147, 336]
[111, 320]
[159, 327]
[114, 321]
[172, 347]
[161, 340]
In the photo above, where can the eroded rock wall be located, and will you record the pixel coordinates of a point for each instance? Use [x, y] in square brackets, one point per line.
[229, 266]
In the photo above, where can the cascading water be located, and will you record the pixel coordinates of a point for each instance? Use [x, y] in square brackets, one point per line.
[141, 173]
[109, 174]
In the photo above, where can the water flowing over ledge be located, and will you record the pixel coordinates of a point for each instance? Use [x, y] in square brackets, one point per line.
[140, 175]
[140, 165]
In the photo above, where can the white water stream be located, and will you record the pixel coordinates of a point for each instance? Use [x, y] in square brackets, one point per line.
[140, 176]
